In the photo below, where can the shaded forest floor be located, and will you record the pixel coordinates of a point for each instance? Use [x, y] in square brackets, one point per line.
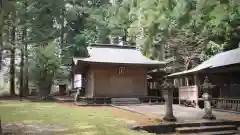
[46, 118]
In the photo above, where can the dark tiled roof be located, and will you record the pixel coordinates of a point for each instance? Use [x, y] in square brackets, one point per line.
[221, 59]
[117, 54]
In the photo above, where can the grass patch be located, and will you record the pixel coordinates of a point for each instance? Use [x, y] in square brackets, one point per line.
[76, 120]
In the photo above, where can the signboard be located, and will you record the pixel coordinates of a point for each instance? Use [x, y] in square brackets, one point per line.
[121, 70]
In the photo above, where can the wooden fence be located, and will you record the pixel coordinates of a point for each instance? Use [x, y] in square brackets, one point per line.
[226, 104]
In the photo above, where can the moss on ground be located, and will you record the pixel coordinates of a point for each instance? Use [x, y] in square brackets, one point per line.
[73, 119]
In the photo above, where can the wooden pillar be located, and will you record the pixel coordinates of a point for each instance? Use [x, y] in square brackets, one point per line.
[93, 84]
[73, 73]
[178, 87]
[181, 82]
[72, 82]
[156, 88]
[186, 81]
[220, 92]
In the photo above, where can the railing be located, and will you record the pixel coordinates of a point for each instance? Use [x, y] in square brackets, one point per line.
[156, 100]
[151, 99]
[226, 104]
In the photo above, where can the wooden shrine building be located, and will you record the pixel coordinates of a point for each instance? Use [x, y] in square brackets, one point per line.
[155, 80]
[223, 70]
[114, 71]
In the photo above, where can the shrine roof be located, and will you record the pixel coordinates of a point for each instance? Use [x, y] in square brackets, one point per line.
[219, 60]
[116, 54]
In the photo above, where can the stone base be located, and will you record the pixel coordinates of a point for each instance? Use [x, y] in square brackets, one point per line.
[209, 117]
[76, 98]
[169, 118]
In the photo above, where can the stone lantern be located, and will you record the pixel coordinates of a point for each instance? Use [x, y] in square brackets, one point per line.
[168, 96]
[207, 99]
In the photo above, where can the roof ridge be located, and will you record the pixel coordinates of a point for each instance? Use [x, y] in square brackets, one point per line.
[210, 63]
[112, 46]
[229, 51]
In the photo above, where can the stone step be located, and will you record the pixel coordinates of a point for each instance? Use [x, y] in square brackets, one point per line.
[119, 101]
[125, 101]
[228, 132]
[182, 130]
[128, 101]
[207, 123]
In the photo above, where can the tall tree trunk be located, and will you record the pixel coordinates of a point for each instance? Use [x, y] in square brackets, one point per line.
[26, 88]
[62, 90]
[1, 46]
[62, 32]
[1, 34]
[25, 65]
[21, 88]
[124, 38]
[12, 63]
[161, 52]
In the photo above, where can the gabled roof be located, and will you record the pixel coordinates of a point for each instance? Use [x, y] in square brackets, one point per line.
[116, 54]
[219, 60]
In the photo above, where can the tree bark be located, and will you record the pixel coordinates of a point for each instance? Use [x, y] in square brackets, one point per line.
[62, 31]
[12, 63]
[21, 88]
[24, 91]
[124, 38]
[26, 88]
[1, 34]
[1, 47]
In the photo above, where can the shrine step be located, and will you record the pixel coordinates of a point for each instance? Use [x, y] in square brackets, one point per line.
[207, 123]
[197, 127]
[125, 101]
[202, 129]
[230, 132]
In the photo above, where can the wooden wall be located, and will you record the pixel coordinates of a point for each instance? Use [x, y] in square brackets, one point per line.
[108, 81]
